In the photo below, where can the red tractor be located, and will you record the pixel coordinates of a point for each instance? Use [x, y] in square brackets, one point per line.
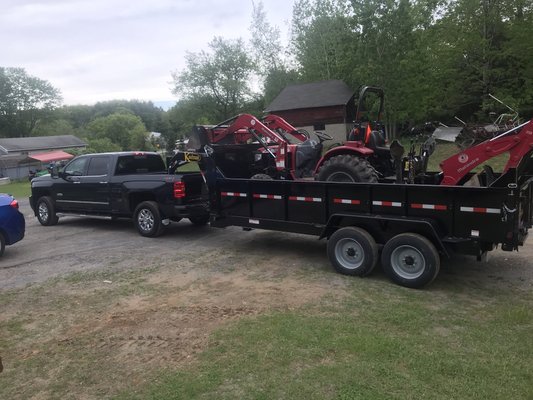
[281, 151]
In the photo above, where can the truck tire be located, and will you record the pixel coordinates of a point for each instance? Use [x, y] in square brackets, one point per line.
[200, 220]
[46, 211]
[147, 219]
[410, 260]
[2, 244]
[347, 168]
[352, 251]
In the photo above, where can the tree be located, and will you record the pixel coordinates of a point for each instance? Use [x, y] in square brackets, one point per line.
[24, 100]
[323, 40]
[101, 145]
[123, 129]
[218, 78]
[52, 127]
[272, 60]
[149, 114]
[266, 46]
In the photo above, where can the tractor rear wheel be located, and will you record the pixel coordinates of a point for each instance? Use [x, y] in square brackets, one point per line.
[347, 168]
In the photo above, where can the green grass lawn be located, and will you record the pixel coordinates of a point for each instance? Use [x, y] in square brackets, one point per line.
[18, 189]
[379, 343]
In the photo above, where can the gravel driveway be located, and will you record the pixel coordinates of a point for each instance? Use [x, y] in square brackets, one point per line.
[82, 244]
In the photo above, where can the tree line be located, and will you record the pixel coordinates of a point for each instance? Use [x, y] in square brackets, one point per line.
[435, 59]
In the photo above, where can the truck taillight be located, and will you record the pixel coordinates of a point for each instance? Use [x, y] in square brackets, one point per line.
[179, 190]
[14, 204]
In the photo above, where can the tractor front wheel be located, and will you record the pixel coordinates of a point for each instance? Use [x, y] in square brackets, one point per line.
[347, 168]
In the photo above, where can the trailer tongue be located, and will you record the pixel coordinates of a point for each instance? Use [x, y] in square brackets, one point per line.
[413, 225]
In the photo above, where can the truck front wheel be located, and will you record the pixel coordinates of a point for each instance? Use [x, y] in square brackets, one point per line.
[352, 251]
[410, 260]
[147, 219]
[46, 212]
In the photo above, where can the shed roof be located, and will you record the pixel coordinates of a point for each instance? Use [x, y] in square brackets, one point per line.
[51, 156]
[39, 143]
[312, 95]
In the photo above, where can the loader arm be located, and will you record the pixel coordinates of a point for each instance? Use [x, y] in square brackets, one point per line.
[253, 125]
[274, 122]
[518, 142]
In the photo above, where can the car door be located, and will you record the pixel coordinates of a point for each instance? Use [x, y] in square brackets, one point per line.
[95, 184]
[69, 193]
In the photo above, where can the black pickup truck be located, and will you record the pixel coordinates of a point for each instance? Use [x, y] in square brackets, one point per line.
[121, 185]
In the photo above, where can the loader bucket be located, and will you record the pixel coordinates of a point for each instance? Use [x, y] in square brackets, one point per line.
[198, 138]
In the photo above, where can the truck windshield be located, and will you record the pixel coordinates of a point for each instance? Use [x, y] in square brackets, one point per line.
[139, 163]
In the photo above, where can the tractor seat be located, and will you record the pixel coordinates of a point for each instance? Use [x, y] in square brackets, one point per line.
[307, 155]
[307, 151]
[377, 142]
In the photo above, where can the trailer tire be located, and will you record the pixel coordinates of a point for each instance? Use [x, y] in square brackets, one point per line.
[147, 219]
[410, 260]
[46, 211]
[352, 251]
[347, 168]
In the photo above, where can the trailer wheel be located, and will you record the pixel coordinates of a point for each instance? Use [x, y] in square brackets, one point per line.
[347, 168]
[147, 219]
[352, 251]
[46, 212]
[410, 260]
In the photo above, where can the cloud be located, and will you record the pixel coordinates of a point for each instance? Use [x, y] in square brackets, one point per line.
[105, 49]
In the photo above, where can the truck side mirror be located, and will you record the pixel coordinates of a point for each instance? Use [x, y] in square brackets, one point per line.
[54, 172]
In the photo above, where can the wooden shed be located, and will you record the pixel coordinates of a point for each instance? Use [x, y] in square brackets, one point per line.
[327, 106]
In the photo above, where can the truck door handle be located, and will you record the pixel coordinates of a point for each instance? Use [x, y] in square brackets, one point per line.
[103, 182]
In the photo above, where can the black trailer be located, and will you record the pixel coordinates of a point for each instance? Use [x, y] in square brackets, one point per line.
[412, 225]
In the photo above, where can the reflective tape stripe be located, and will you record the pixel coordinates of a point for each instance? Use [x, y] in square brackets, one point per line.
[386, 203]
[438, 207]
[308, 199]
[346, 201]
[267, 196]
[481, 210]
[233, 194]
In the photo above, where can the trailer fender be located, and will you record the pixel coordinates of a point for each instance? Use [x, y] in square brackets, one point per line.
[383, 227]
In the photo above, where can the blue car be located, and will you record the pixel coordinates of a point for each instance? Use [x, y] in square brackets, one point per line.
[12, 223]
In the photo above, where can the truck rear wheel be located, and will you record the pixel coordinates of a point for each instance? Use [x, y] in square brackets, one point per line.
[46, 211]
[410, 260]
[352, 251]
[147, 219]
[347, 168]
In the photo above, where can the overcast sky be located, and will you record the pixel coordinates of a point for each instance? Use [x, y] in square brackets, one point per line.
[95, 50]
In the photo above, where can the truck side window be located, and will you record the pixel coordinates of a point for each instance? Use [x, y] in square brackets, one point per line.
[98, 166]
[76, 167]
